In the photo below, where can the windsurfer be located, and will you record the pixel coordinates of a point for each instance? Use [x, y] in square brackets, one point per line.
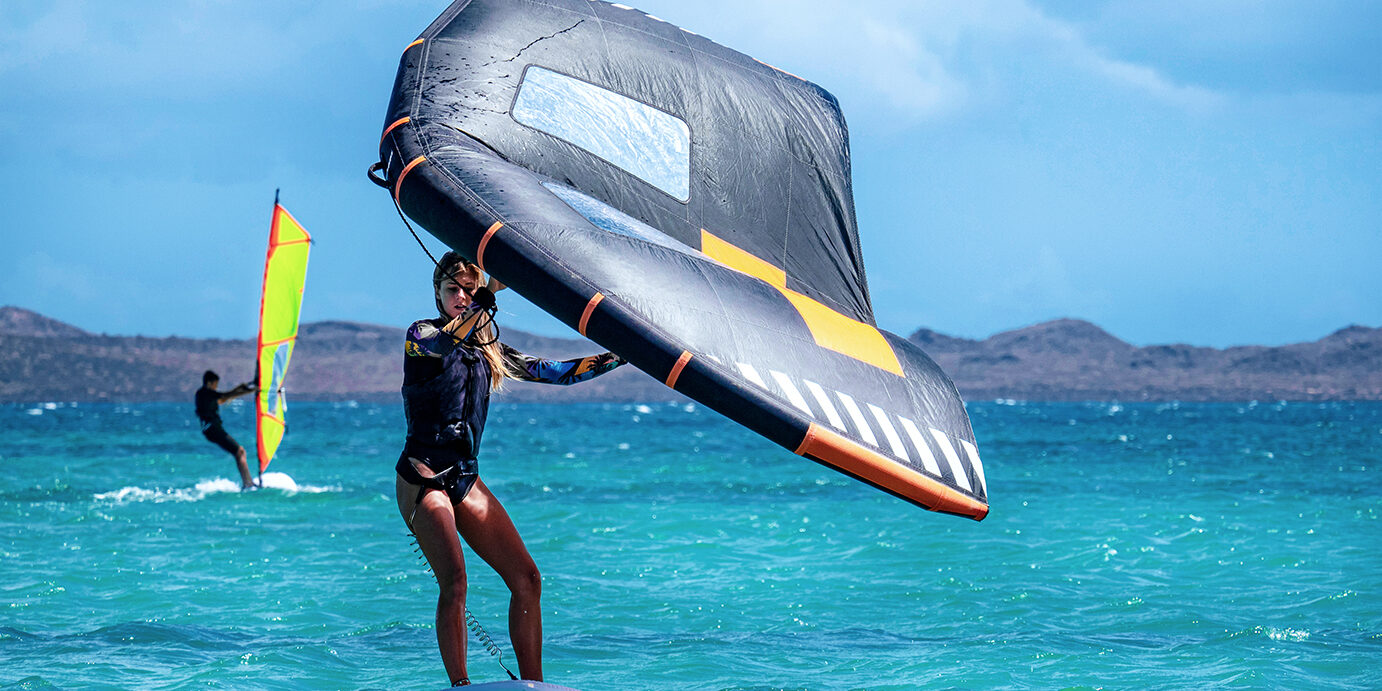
[208, 401]
[450, 366]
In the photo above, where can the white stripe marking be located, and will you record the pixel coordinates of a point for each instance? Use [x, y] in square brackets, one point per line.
[793, 394]
[752, 374]
[864, 430]
[974, 461]
[893, 440]
[824, 400]
[928, 459]
[961, 477]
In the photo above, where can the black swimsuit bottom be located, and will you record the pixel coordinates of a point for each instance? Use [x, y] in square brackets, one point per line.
[454, 475]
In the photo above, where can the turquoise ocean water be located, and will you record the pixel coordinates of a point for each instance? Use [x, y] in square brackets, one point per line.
[1129, 546]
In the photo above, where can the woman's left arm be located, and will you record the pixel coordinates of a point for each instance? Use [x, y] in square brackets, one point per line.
[563, 372]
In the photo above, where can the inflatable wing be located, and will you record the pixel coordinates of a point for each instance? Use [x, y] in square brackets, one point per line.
[685, 206]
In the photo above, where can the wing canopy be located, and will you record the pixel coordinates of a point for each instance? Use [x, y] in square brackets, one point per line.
[685, 206]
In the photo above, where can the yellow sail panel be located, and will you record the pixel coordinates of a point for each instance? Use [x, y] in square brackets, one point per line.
[285, 272]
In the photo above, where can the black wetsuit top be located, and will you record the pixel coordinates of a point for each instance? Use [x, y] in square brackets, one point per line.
[446, 390]
[208, 402]
[208, 407]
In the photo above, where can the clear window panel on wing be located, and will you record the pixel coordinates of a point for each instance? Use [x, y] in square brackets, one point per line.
[612, 220]
[651, 144]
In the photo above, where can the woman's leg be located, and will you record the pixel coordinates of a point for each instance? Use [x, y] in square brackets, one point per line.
[434, 524]
[489, 531]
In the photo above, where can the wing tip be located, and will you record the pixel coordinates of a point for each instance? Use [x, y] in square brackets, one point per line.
[831, 448]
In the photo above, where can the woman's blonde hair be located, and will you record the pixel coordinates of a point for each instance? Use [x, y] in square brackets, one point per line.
[453, 267]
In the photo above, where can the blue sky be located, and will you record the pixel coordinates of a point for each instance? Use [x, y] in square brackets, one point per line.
[1193, 172]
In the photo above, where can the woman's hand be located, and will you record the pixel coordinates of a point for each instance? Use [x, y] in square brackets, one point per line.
[460, 320]
[483, 298]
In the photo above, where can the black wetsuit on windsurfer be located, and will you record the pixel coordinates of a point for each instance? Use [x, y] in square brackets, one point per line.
[208, 402]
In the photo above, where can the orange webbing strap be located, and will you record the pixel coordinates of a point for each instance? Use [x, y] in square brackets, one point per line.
[677, 368]
[480, 251]
[406, 169]
[589, 310]
[396, 123]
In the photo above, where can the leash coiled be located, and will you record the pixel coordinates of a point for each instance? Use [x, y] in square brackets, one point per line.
[482, 636]
[471, 622]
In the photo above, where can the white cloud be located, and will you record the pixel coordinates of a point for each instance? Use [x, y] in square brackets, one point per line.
[924, 60]
[916, 60]
[181, 49]
[1153, 83]
[902, 70]
[841, 47]
[1017, 28]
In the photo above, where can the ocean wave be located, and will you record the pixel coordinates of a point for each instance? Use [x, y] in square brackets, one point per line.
[279, 483]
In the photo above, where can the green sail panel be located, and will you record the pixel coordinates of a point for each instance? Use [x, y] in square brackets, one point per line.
[285, 273]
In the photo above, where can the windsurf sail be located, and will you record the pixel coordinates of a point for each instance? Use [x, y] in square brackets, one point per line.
[285, 273]
[685, 206]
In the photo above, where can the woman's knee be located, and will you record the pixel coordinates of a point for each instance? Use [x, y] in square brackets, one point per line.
[528, 583]
[452, 583]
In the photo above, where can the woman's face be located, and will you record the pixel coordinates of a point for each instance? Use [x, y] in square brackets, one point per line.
[455, 293]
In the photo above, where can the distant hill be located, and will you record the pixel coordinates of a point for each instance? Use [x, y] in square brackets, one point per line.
[15, 321]
[42, 359]
[1068, 359]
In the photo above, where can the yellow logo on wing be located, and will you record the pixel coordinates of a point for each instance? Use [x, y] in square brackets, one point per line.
[830, 329]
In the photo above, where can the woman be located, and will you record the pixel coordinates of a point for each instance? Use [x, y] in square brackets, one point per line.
[451, 365]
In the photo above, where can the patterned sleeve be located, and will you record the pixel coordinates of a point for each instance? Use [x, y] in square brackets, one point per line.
[426, 340]
[564, 372]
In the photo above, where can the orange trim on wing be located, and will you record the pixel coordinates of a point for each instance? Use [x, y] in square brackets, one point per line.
[589, 310]
[401, 121]
[411, 165]
[480, 251]
[829, 447]
[677, 368]
[414, 43]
